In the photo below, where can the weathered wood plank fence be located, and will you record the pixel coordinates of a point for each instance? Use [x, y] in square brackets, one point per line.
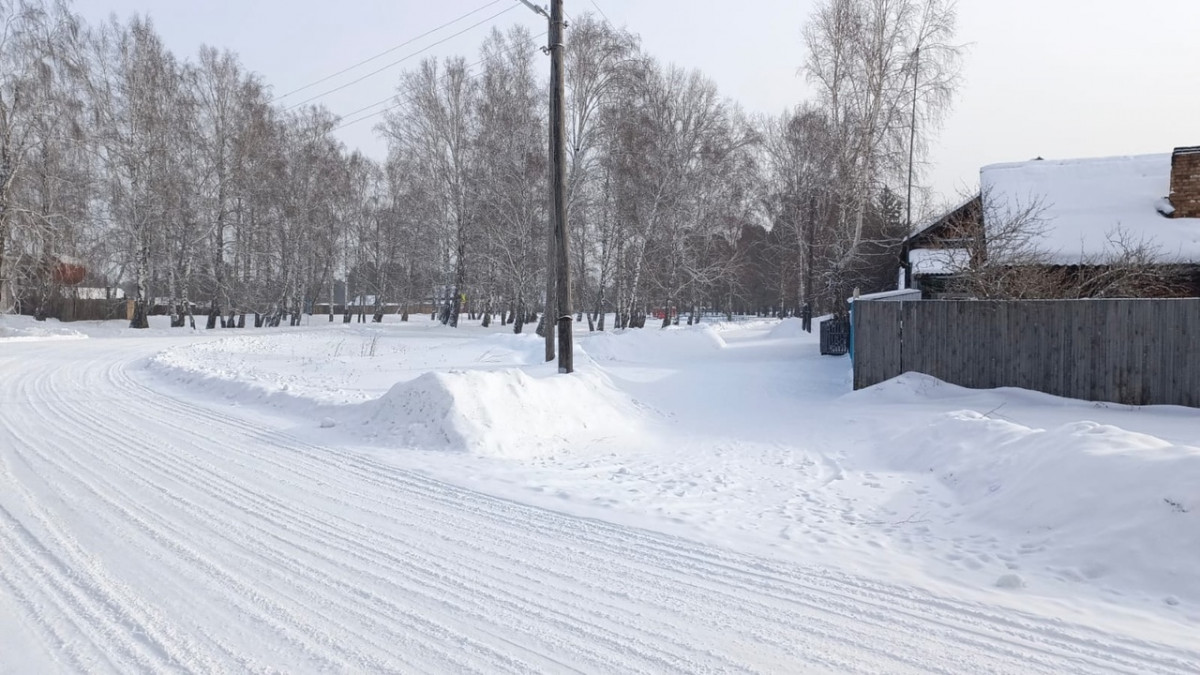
[1137, 352]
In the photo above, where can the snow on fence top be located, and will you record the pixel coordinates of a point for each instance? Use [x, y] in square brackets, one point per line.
[893, 296]
[1088, 202]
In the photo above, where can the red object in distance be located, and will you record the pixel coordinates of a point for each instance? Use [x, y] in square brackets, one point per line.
[68, 274]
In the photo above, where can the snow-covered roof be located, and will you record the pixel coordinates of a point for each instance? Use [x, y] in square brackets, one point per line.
[938, 260]
[1087, 201]
[890, 296]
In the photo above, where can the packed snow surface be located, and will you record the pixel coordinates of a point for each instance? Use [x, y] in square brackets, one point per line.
[413, 498]
[25, 331]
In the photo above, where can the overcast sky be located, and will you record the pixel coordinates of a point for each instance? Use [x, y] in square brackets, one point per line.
[1050, 78]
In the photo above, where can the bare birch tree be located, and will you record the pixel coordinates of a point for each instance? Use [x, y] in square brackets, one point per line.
[436, 125]
[885, 71]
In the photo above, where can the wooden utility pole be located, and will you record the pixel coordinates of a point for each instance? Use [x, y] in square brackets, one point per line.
[551, 252]
[558, 261]
[558, 181]
[551, 309]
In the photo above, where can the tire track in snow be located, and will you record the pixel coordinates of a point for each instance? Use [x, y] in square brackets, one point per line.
[835, 632]
[119, 448]
[1061, 644]
[326, 535]
[982, 628]
[82, 591]
[281, 620]
[532, 588]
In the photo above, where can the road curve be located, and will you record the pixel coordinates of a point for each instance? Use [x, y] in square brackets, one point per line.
[145, 533]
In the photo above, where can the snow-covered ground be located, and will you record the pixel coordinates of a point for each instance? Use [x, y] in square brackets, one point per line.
[413, 497]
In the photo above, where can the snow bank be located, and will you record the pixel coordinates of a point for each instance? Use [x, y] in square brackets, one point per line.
[740, 323]
[912, 387]
[507, 414]
[1090, 502]
[26, 329]
[304, 371]
[512, 349]
[200, 368]
[653, 345]
[788, 329]
[442, 393]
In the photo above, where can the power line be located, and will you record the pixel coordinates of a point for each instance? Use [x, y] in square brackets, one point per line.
[602, 13]
[402, 60]
[400, 93]
[386, 100]
[385, 52]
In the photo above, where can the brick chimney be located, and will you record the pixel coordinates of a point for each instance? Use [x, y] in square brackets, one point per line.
[1185, 182]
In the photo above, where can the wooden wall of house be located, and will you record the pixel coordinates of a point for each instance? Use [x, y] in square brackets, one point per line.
[1136, 352]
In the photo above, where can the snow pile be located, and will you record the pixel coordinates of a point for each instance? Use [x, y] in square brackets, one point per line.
[26, 329]
[485, 394]
[740, 324]
[507, 413]
[652, 345]
[1088, 502]
[510, 349]
[318, 369]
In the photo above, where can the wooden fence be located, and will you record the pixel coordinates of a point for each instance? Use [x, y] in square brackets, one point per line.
[1137, 352]
[74, 309]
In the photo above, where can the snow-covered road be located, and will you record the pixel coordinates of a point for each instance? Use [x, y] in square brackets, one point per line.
[141, 532]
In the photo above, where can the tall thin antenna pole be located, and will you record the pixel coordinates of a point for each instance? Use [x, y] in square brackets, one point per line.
[912, 135]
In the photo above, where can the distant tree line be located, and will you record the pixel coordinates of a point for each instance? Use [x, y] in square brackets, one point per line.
[184, 184]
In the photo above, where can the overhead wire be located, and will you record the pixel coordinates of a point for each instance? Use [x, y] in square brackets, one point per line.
[610, 23]
[386, 51]
[352, 122]
[388, 99]
[402, 60]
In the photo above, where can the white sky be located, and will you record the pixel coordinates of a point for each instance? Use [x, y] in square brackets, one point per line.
[1050, 78]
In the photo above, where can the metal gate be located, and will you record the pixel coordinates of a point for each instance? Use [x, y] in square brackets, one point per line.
[835, 337]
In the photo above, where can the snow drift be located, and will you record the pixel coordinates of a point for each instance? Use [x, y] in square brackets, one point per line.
[467, 395]
[1092, 502]
[793, 328]
[506, 413]
[26, 329]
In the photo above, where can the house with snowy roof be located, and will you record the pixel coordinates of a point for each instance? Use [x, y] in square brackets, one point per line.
[1078, 218]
